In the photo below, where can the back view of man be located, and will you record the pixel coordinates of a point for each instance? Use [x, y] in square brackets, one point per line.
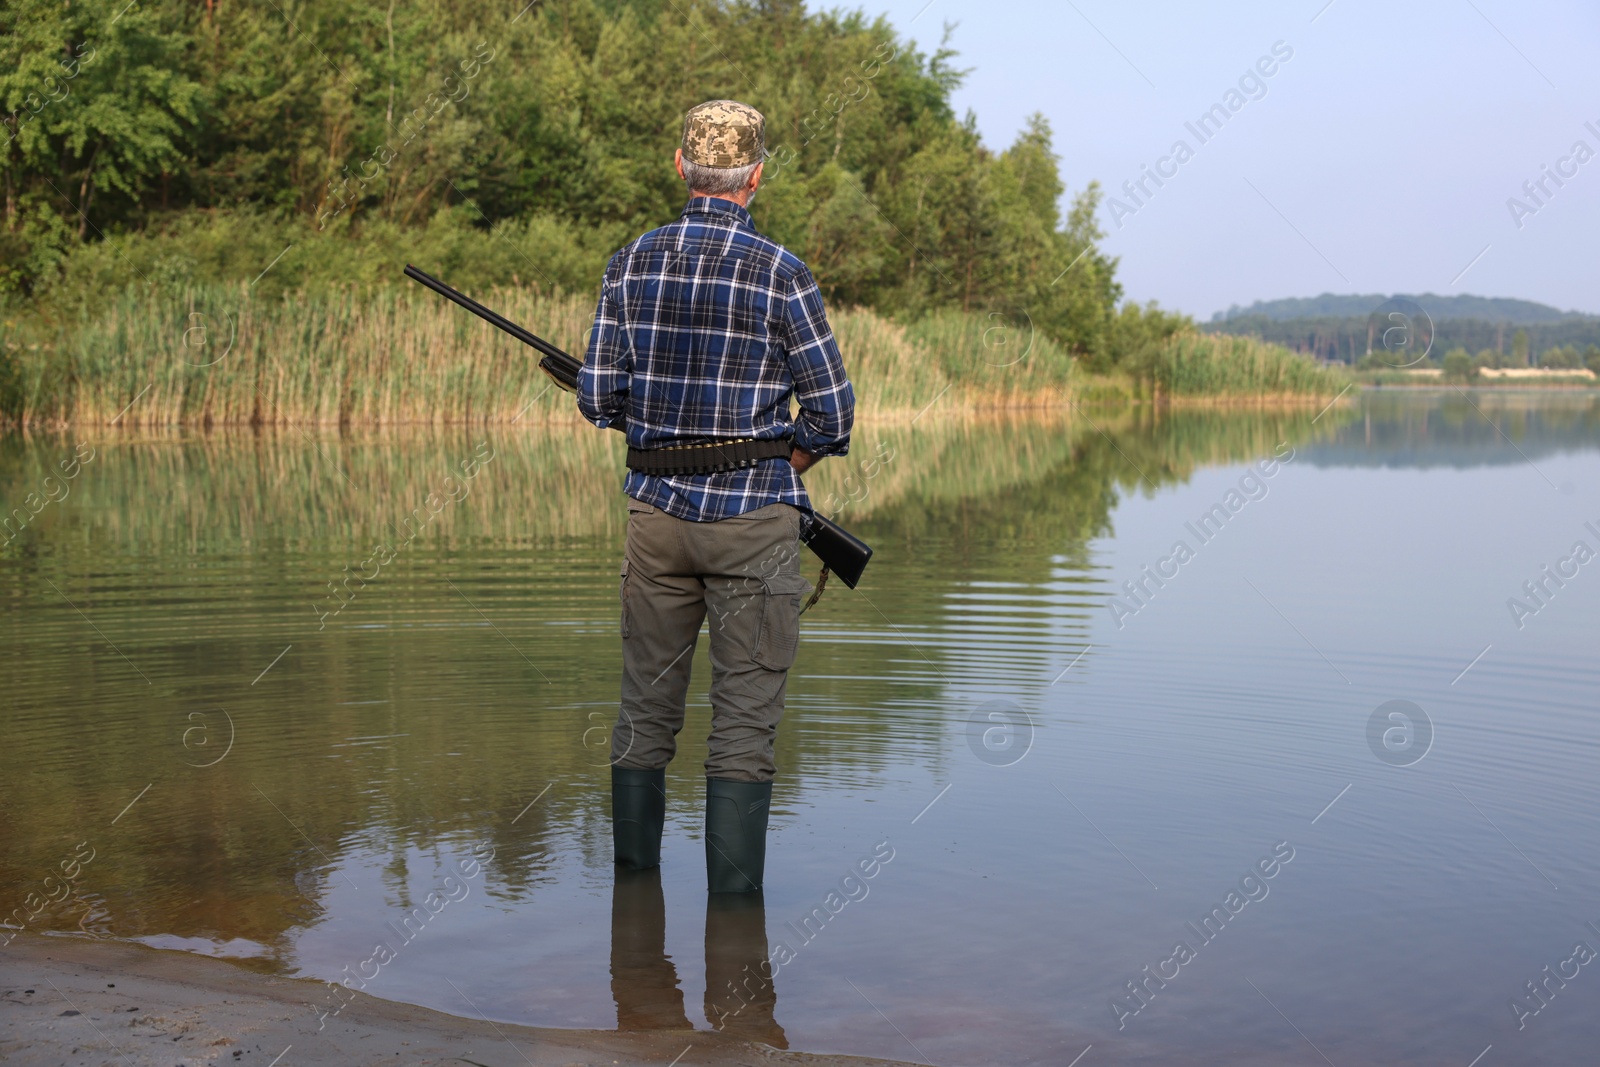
[704, 331]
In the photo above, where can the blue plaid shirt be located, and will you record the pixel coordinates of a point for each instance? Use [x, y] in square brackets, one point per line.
[704, 330]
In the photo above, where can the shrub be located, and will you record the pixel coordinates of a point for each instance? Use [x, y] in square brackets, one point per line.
[1459, 367]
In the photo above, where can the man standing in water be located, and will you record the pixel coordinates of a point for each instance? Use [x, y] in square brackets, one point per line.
[704, 331]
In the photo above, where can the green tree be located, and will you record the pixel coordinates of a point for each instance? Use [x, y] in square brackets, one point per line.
[100, 109]
[1459, 367]
[1136, 336]
[1560, 358]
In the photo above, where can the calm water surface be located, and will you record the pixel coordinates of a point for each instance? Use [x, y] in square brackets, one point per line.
[1053, 777]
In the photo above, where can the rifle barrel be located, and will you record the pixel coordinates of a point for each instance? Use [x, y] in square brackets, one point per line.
[531, 340]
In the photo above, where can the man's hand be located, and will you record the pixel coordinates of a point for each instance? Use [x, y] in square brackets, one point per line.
[801, 460]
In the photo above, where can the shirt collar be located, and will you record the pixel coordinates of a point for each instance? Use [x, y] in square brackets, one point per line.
[715, 205]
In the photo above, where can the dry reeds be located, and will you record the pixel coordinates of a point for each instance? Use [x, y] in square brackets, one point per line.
[389, 356]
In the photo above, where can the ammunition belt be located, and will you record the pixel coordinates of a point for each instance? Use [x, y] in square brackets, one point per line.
[708, 458]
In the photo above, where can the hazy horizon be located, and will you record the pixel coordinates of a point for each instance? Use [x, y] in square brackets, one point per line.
[1380, 156]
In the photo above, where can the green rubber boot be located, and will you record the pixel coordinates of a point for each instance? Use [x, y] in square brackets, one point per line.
[638, 810]
[736, 834]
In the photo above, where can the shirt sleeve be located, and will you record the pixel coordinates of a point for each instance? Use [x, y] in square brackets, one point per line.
[603, 381]
[827, 402]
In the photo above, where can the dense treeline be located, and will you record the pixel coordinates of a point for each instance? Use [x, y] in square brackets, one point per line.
[1360, 305]
[170, 143]
[1351, 339]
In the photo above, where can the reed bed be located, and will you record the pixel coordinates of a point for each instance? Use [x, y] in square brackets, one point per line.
[214, 355]
[219, 355]
[1219, 367]
[1000, 358]
[1413, 379]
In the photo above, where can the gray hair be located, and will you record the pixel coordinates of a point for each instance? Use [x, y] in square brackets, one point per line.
[717, 181]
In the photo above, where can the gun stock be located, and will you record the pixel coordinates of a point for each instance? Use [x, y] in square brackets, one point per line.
[845, 554]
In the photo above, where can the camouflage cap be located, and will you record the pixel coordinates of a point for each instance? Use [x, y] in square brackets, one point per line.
[724, 134]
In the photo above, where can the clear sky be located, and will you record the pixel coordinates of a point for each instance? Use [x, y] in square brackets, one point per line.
[1379, 157]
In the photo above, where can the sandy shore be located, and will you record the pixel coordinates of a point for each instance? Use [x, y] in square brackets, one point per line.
[66, 1001]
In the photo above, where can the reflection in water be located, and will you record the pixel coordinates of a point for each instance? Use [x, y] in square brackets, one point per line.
[644, 982]
[740, 995]
[167, 606]
[1462, 428]
[169, 646]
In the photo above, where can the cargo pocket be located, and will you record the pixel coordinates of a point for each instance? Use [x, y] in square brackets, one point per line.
[778, 637]
[622, 595]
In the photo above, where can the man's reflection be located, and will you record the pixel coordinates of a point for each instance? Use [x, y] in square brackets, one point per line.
[740, 996]
[644, 982]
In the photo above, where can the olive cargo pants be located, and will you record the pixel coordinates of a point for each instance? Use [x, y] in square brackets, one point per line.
[741, 575]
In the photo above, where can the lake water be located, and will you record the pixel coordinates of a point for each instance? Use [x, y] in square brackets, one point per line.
[242, 750]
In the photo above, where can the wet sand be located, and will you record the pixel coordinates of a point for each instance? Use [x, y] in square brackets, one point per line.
[83, 1003]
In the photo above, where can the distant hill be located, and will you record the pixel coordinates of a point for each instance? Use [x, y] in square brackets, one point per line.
[1493, 309]
[1338, 328]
